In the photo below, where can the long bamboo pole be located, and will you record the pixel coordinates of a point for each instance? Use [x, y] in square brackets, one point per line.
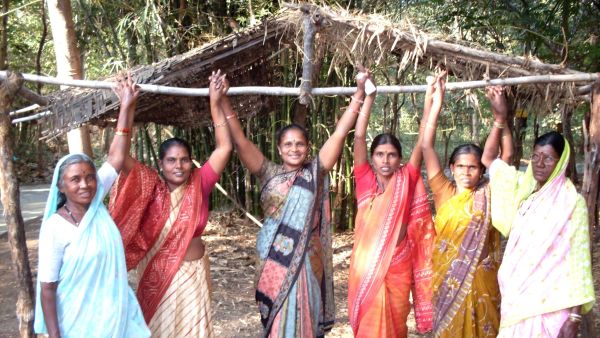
[287, 91]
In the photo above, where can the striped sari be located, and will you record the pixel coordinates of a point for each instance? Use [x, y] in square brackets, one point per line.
[294, 289]
[465, 260]
[157, 227]
[383, 271]
[546, 269]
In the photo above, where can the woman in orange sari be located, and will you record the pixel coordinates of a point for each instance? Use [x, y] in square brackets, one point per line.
[466, 255]
[161, 219]
[393, 238]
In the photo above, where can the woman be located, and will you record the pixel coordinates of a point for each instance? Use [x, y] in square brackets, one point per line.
[466, 254]
[545, 277]
[82, 288]
[294, 288]
[393, 238]
[161, 219]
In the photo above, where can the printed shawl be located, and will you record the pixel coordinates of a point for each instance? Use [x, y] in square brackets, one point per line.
[93, 298]
[140, 205]
[378, 224]
[546, 265]
[301, 234]
[463, 226]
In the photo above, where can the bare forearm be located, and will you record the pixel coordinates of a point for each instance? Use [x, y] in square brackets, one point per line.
[248, 152]
[48, 298]
[360, 131]
[222, 138]
[507, 146]
[331, 150]
[121, 143]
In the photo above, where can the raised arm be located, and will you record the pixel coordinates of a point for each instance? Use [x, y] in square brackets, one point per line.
[218, 92]
[437, 88]
[360, 129]
[331, 150]
[416, 157]
[500, 131]
[118, 154]
[248, 152]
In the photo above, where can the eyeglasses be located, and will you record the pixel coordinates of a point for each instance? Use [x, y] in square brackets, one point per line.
[546, 159]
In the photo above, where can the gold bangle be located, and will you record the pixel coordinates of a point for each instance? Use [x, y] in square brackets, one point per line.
[229, 117]
[355, 99]
[222, 124]
[121, 133]
[499, 125]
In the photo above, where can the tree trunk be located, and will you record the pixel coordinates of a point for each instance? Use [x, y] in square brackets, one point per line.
[68, 62]
[566, 114]
[9, 190]
[4, 36]
[520, 128]
[591, 176]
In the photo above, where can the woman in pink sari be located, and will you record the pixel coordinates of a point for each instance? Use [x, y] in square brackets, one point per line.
[393, 239]
[545, 277]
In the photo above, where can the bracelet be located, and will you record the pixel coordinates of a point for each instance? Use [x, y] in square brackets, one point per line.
[222, 124]
[121, 133]
[574, 317]
[499, 125]
[122, 130]
[363, 114]
[355, 99]
[228, 117]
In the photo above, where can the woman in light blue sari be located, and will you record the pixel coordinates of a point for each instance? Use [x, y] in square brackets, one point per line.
[82, 288]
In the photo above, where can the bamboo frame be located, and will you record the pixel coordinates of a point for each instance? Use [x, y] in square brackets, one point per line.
[289, 91]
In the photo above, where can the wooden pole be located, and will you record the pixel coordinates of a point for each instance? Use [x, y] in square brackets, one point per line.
[287, 91]
[9, 194]
[308, 57]
[591, 179]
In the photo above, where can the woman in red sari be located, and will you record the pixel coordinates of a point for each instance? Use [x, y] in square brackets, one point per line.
[393, 238]
[161, 219]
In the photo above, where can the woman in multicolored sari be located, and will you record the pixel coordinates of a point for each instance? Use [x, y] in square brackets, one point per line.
[393, 239]
[161, 219]
[294, 287]
[466, 255]
[545, 277]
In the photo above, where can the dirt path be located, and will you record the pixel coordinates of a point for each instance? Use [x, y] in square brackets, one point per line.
[230, 241]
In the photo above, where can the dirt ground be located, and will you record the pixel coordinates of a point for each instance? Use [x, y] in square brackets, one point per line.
[230, 241]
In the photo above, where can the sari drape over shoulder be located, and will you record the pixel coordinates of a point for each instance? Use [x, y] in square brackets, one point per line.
[93, 297]
[140, 205]
[382, 270]
[546, 268]
[295, 275]
[465, 260]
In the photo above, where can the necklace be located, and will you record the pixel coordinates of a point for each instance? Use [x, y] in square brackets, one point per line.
[71, 214]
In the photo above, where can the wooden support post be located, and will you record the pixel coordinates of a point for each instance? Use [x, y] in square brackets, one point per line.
[591, 179]
[307, 61]
[9, 193]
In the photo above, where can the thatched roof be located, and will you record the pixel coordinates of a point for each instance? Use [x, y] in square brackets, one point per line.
[250, 58]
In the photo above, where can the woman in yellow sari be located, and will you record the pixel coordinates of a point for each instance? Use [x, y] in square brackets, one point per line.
[466, 255]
